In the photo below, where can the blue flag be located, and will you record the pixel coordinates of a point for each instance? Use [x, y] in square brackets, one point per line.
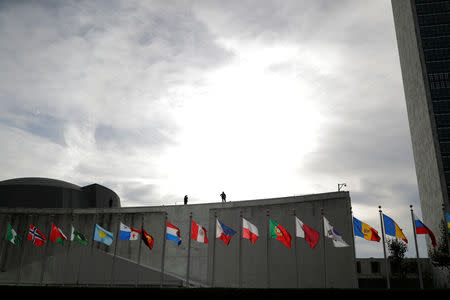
[103, 236]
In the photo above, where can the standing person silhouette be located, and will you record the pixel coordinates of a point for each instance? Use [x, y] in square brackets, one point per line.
[224, 197]
[185, 199]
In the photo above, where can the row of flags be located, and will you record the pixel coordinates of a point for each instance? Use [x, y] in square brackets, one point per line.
[198, 233]
[100, 235]
[391, 228]
[225, 233]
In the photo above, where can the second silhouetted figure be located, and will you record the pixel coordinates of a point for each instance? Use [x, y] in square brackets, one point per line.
[224, 197]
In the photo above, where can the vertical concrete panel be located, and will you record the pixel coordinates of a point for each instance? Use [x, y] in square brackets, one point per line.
[225, 258]
[74, 263]
[310, 261]
[282, 265]
[55, 269]
[153, 224]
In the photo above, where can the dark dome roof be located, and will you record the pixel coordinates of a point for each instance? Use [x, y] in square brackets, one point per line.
[40, 181]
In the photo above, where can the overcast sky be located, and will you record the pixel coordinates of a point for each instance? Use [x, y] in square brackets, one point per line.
[260, 99]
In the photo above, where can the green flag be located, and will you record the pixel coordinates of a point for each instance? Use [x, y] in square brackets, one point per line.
[78, 237]
[11, 235]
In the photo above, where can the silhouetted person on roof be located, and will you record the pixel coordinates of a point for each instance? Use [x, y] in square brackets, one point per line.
[185, 199]
[224, 197]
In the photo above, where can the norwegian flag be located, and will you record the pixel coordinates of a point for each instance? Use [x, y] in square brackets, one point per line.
[36, 236]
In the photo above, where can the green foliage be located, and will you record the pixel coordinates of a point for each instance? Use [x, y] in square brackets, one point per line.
[440, 255]
[397, 249]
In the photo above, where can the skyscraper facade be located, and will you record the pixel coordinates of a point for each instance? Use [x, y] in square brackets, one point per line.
[423, 38]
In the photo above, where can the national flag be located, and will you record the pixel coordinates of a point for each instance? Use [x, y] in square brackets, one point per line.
[279, 233]
[310, 235]
[147, 239]
[391, 228]
[11, 235]
[56, 235]
[249, 231]
[365, 231]
[173, 233]
[127, 233]
[102, 235]
[36, 236]
[447, 217]
[330, 232]
[422, 229]
[77, 236]
[224, 232]
[198, 233]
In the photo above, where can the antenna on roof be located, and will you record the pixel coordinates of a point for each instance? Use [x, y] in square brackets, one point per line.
[340, 185]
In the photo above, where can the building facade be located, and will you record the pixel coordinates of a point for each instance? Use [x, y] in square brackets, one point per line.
[37, 192]
[423, 38]
[268, 263]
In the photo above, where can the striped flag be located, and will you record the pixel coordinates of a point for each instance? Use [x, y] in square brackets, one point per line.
[249, 231]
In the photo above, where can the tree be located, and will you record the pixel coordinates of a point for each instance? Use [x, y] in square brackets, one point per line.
[397, 250]
[440, 255]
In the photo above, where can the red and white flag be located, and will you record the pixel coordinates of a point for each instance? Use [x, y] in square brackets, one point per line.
[249, 231]
[36, 236]
[198, 233]
[309, 234]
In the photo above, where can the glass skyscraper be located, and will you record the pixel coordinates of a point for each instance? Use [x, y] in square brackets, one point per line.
[423, 39]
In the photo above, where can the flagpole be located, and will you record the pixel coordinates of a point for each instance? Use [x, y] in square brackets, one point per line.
[81, 252]
[384, 250]
[240, 249]
[26, 231]
[189, 250]
[52, 217]
[67, 253]
[295, 248]
[163, 249]
[3, 259]
[354, 248]
[92, 244]
[139, 251]
[214, 248]
[115, 249]
[419, 270]
[324, 251]
[268, 249]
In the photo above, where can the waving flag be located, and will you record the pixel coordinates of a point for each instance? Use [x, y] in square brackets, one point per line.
[102, 235]
[310, 235]
[77, 236]
[422, 229]
[127, 233]
[249, 231]
[36, 236]
[147, 238]
[224, 232]
[198, 233]
[57, 235]
[447, 217]
[330, 232]
[391, 228]
[279, 233]
[365, 231]
[11, 235]
[173, 233]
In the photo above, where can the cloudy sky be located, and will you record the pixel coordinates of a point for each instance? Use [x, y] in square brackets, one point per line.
[260, 99]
